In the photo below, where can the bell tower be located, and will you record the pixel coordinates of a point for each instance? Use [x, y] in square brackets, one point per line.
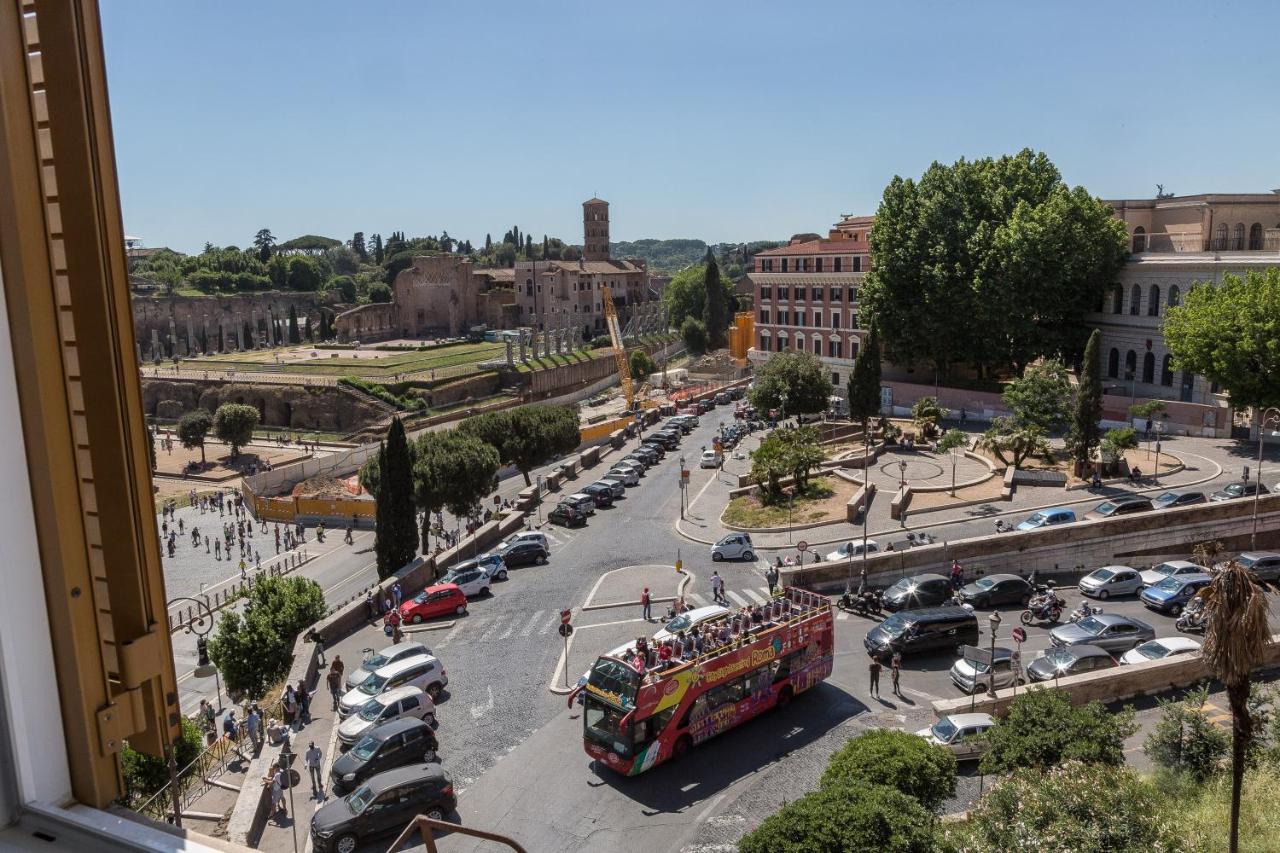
[595, 230]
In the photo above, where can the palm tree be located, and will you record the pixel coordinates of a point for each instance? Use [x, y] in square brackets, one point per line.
[1236, 634]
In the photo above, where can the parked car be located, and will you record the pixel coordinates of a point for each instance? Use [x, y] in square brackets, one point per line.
[385, 746]
[1172, 499]
[917, 591]
[1264, 566]
[1119, 505]
[1238, 490]
[526, 536]
[690, 418]
[583, 502]
[600, 493]
[681, 424]
[723, 399]
[974, 675]
[1157, 573]
[1165, 647]
[626, 472]
[616, 487]
[705, 406]
[381, 658]
[529, 552]
[688, 619]
[922, 630]
[1111, 580]
[710, 459]
[666, 441]
[401, 702]
[853, 548]
[735, 546]
[994, 590]
[426, 673]
[1109, 631]
[649, 455]
[1172, 594]
[636, 460]
[471, 580]
[567, 515]
[1047, 518]
[1069, 660]
[490, 562]
[960, 733]
[437, 600]
[384, 804]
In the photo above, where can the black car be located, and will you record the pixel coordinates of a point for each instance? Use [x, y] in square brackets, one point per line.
[684, 426]
[917, 591]
[567, 515]
[397, 743]
[658, 445]
[923, 630]
[664, 440]
[1171, 499]
[994, 590]
[1238, 490]
[1119, 505]
[647, 453]
[525, 553]
[602, 495]
[382, 805]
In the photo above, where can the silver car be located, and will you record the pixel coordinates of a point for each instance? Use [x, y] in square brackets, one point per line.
[1108, 631]
[963, 734]
[971, 675]
[1111, 580]
[381, 658]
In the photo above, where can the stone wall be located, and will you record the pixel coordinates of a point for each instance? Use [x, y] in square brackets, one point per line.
[329, 408]
[162, 323]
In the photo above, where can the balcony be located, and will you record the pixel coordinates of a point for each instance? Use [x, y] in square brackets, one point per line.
[1177, 243]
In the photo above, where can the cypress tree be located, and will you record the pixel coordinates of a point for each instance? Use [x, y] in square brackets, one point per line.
[294, 337]
[864, 381]
[246, 336]
[715, 314]
[396, 512]
[377, 248]
[1084, 435]
[306, 329]
[488, 243]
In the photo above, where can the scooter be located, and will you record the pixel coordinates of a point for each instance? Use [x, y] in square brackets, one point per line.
[1191, 620]
[866, 603]
[1046, 607]
[1084, 611]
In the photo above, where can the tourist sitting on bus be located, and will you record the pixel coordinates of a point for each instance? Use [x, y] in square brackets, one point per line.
[664, 655]
[697, 642]
[725, 632]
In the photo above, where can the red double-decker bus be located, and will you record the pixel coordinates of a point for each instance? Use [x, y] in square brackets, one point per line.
[635, 717]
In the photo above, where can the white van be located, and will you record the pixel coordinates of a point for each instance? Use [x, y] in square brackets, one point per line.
[383, 708]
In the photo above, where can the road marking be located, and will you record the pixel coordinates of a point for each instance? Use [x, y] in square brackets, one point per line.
[478, 711]
[754, 596]
[737, 599]
[456, 628]
[545, 629]
[696, 599]
[510, 629]
[488, 632]
[358, 571]
[533, 620]
[841, 617]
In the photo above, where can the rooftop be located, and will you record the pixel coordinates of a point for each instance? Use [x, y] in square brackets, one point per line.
[816, 247]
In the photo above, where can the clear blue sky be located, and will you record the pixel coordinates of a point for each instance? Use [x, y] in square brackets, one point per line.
[715, 120]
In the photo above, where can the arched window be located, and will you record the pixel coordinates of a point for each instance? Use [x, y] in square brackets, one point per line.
[1130, 364]
[1117, 299]
[1153, 301]
[1113, 364]
[1175, 296]
[1148, 368]
[1166, 371]
[1237, 237]
[1220, 237]
[1135, 300]
[1139, 239]
[1255, 236]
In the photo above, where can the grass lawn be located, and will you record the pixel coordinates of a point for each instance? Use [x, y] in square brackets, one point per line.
[383, 367]
[824, 499]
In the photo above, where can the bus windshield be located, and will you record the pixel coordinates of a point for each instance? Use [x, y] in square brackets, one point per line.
[614, 681]
[603, 724]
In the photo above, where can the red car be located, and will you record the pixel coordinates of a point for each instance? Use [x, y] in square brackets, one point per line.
[443, 599]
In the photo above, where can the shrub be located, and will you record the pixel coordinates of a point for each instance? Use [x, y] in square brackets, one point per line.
[902, 761]
[1043, 729]
[845, 818]
[144, 775]
[694, 334]
[1184, 740]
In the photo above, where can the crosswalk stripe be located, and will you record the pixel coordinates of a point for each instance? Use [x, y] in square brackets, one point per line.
[488, 632]
[510, 629]
[739, 600]
[456, 628]
[696, 599]
[533, 620]
[547, 627]
[754, 596]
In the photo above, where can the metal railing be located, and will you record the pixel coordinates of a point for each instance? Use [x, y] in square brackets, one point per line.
[182, 617]
[424, 825]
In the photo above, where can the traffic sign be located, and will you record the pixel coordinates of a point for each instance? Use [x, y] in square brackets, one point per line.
[802, 546]
[974, 653]
[565, 630]
[1019, 635]
[564, 616]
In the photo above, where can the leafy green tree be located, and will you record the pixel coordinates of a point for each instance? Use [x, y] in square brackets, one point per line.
[716, 302]
[304, 273]
[793, 382]
[1184, 740]
[846, 818]
[1083, 808]
[686, 294]
[1085, 434]
[694, 334]
[1041, 397]
[379, 293]
[233, 424]
[396, 520]
[1117, 441]
[952, 439]
[1043, 729]
[192, 429]
[254, 649]
[641, 364]
[901, 760]
[264, 242]
[927, 414]
[294, 336]
[527, 436]
[989, 262]
[864, 382]
[1228, 333]
[145, 775]
[794, 453]
[151, 443]
[1011, 443]
[452, 470]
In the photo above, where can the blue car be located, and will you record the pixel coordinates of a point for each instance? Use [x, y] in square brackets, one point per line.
[1048, 518]
[1172, 594]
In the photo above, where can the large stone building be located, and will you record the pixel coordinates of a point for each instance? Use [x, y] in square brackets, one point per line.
[1175, 242]
[551, 294]
[806, 296]
[438, 295]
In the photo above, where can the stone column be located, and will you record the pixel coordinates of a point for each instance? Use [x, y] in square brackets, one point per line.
[561, 331]
[191, 338]
[253, 327]
[222, 335]
[173, 335]
[524, 335]
[510, 363]
[155, 344]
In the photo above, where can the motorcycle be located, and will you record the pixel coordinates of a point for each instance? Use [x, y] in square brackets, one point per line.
[867, 603]
[1191, 619]
[1045, 607]
[1084, 611]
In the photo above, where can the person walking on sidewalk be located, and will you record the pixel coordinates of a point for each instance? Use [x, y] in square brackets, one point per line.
[312, 758]
[646, 605]
[334, 679]
[717, 588]
[253, 724]
[396, 593]
[895, 672]
[771, 576]
[873, 666]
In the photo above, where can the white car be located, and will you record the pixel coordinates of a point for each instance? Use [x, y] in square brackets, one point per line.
[1172, 568]
[852, 549]
[1160, 648]
[425, 672]
[688, 619]
[529, 536]
[472, 581]
[382, 658]
[710, 459]
[392, 705]
[627, 474]
[735, 546]
[960, 733]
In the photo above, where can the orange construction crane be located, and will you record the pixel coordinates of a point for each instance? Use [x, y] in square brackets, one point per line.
[619, 352]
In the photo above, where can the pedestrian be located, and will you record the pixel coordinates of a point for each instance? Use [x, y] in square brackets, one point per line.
[895, 671]
[370, 608]
[304, 701]
[277, 783]
[208, 715]
[334, 679]
[312, 758]
[253, 724]
[957, 575]
[772, 577]
[289, 703]
[873, 666]
[646, 605]
[396, 594]
[230, 730]
[717, 588]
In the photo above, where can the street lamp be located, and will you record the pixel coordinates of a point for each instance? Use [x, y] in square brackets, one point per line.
[1272, 416]
[201, 629]
[956, 454]
[994, 619]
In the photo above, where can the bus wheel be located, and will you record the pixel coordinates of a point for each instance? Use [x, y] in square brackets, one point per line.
[784, 697]
[681, 748]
